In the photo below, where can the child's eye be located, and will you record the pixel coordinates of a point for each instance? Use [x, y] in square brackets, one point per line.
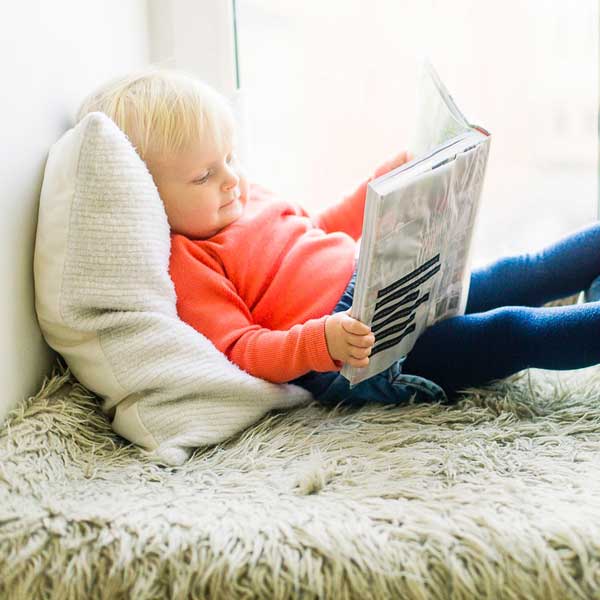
[203, 179]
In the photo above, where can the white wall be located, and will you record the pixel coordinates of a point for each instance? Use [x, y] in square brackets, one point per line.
[53, 54]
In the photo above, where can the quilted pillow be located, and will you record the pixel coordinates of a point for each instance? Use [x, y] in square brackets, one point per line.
[105, 301]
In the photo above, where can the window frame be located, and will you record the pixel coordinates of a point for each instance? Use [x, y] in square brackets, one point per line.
[198, 36]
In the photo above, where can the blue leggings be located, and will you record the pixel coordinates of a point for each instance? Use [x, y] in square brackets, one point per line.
[505, 327]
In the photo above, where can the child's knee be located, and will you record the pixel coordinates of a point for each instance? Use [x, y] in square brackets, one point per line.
[509, 324]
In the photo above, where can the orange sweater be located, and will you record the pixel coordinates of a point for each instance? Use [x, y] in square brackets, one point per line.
[262, 287]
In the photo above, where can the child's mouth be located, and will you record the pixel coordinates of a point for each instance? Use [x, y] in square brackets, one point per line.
[230, 202]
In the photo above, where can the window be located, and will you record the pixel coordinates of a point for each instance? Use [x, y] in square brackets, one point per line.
[329, 92]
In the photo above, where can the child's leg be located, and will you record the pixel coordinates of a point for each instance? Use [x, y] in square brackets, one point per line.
[557, 271]
[473, 349]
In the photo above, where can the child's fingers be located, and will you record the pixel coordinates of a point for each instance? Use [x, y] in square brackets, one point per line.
[393, 163]
[400, 159]
[352, 325]
[359, 352]
[358, 362]
[360, 341]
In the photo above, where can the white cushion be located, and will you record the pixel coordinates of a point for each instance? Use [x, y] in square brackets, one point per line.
[106, 303]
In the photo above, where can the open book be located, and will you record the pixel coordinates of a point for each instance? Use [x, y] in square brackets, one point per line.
[414, 262]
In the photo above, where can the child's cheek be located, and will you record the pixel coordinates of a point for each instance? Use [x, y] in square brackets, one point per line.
[244, 187]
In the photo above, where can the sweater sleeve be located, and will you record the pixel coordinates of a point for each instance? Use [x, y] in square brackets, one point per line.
[347, 215]
[209, 302]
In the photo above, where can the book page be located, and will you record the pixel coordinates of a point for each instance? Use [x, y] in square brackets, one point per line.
[438, 117]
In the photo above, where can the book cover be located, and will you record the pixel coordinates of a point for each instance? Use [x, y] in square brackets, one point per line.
[414, 262]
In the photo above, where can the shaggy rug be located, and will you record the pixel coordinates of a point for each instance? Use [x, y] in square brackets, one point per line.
[497, 497]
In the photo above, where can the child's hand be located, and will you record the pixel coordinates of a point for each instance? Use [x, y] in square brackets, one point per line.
[398, 160]
[348, 339]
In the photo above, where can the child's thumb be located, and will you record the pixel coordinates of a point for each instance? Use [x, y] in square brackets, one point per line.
[348, 321]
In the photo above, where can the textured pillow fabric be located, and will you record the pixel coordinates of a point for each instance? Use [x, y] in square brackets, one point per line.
[106, 303]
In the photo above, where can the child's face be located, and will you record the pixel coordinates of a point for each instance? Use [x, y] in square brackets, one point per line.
[202, 190]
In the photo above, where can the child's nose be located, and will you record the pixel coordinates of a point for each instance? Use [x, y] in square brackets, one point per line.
[231, 180]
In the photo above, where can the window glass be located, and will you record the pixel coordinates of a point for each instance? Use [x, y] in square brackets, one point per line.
[330, 92]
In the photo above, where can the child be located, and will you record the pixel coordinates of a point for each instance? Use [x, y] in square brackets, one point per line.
[271, 286]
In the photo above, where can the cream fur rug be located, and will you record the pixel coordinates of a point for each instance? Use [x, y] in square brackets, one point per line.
[496, 497]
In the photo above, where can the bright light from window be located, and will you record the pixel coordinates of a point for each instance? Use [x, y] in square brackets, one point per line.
[330, 93]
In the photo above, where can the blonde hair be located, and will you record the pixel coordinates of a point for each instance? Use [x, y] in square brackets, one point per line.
[162, 111]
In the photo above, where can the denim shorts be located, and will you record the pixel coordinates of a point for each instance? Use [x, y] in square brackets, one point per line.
[388, 387]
